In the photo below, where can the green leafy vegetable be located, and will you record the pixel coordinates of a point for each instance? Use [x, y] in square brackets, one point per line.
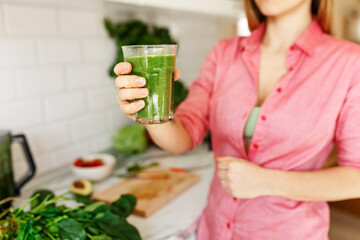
[135, 32]
[51, 220]
[131, 139]
[138, 167]
[180, 93]
[71, 229]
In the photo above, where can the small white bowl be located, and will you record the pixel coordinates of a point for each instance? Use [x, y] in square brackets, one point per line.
[95, 173]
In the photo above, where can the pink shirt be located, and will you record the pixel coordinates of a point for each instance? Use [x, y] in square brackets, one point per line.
[316, 103]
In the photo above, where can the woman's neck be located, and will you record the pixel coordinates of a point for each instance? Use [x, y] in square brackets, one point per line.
[282, 31]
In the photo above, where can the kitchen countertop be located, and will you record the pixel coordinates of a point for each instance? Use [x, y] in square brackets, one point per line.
[176, 220]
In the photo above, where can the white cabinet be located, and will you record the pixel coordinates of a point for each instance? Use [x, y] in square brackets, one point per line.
[228, 8]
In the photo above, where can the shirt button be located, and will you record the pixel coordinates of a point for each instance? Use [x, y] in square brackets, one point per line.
[242, 49]
[235, 199]
[256, 146]
[292, 48]
[263, 117]
[279, 90]
[228, 225]
[291, 69]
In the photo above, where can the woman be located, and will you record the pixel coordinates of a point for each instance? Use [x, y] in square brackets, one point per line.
[269, 182]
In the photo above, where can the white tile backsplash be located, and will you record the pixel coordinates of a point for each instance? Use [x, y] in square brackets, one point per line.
[100, 49]
[66, 105]
[59, 50]
[74, 22]
[20, 114]
[84, 76]
[45, 139]
[7, 86]
[68, 154]
[39, 81]
[2, 25]
[39, 20]
[17, 52]
[115, 119]
[54, 83]
[101, 142]
[102, 98]
[87, 127]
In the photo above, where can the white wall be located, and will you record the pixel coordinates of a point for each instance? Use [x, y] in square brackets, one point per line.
[54, 87]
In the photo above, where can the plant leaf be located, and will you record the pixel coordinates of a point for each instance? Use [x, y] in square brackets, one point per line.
[71, 229]
[124, 206]
[116, 226]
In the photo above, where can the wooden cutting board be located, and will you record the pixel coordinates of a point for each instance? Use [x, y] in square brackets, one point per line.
[151, 193]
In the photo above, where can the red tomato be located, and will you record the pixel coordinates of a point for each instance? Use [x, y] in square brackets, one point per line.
[98, 162]
[93, 163]
[178, 169]
[79, 162]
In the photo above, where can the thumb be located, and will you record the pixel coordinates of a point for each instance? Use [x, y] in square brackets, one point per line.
[223, 162]
[176, 74]
[224, 159]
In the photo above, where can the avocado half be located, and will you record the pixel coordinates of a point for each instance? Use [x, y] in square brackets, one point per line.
[82, 187]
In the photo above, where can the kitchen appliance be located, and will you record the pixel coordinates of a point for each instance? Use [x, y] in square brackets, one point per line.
[8, 187]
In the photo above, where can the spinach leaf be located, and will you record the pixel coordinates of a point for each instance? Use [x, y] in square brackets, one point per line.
[71, 229]
[50, 212]
[117, 227]
[100, 237]
[124, 206]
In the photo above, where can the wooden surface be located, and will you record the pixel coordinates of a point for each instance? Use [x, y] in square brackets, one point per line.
[343, 226]
[151, 193]
[351, 206]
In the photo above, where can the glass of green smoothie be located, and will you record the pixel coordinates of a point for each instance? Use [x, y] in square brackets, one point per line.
[156, 63]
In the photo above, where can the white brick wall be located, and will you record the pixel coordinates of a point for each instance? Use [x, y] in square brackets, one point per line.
[54, 87]
[2, 27]
[74, 22]
[17, 52]
[59, 50]
[38, 20]
[84, 76]
[102, 98]
[39, 81]
[21, 113]
[65, 105]
[88, 126]
[7, 86]
[46, 138]
[100, 49]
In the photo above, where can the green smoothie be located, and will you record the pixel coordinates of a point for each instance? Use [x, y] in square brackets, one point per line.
[158, 72]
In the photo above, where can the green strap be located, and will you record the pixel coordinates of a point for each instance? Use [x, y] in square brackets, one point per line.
[251, 122]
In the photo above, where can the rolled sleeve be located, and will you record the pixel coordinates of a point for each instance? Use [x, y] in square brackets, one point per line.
[193, 112]
[348, 127]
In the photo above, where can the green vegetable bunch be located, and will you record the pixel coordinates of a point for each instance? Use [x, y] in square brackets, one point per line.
[131, 139]
[135, 32]
[93, 220]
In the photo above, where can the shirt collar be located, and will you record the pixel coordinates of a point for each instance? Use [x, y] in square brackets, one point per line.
[307, 42]
[310, 38]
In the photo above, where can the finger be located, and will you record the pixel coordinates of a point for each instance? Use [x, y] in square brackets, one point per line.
[130, 81]
[176, 74]
[131, 108]
[222, 175]
[223, 165]
[127, 94]
[223, 183]
[122, 68]
[224, 159]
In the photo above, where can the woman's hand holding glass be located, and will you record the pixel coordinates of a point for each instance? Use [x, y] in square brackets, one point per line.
[130, 88]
